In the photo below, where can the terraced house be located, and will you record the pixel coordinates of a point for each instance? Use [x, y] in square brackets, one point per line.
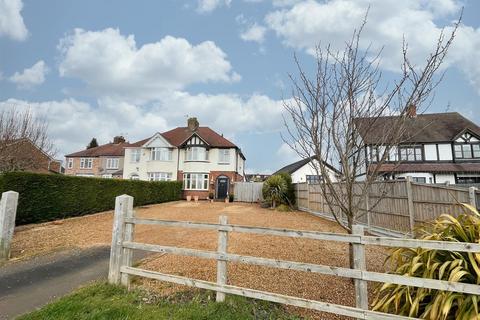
[105, 161]
[204, 160]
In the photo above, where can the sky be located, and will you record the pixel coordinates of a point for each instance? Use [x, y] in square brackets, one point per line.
[104, 68]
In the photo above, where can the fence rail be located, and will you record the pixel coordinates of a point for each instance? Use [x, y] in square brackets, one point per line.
[393, 208]
[123, 245]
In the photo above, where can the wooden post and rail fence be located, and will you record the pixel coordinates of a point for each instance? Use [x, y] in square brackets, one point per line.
[8, 212]
[123, 243]
[394, 208]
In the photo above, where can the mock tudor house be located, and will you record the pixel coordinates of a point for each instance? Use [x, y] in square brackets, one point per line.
[204, 160]
[304, 171]
[104, 161]
[438, 148]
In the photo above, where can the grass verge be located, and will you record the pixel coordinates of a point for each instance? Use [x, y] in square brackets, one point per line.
[104, 301]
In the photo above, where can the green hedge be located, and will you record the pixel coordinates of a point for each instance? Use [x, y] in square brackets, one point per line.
[45, 197]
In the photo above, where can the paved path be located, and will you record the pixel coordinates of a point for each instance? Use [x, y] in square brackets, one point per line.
[28, 285]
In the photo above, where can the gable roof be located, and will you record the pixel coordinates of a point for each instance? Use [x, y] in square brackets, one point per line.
[109, 149]
[291, 168]
[424, 128]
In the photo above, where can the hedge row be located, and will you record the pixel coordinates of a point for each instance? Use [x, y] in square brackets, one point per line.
[45, 197]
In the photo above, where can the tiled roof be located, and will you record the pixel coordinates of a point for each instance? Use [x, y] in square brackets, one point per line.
[424, 128]
[429, 167]
[109, 149]
[291, 168]
[179, 135]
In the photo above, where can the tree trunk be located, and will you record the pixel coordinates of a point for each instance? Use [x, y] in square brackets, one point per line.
[350, 245]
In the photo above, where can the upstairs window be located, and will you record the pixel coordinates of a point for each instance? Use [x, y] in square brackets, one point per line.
[410, 153]
[112, 163]
[70, 163]
[467, 151]
[162, 154]
[86, 163]
[224, 156]
[196, 154]
[135, 155]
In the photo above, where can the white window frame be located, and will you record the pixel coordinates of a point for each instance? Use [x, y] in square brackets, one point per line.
[70, 163]
[195, 181]
[161, 154]
[135, 155]
[160, 176]
[113, 163]
[134, 176]
[86, 163]
[224, 156]
[107, 176]
[196, 154]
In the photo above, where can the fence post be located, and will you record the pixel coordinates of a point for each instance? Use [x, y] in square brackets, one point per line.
[222, 264]
[411, 208]
[359, 263]
[121, 209]
[8, 212]
[472, 196]
[308, 195]
[127, 254]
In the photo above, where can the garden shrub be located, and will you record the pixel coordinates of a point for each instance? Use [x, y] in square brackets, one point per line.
[274, 190]
[290, 194]
[463, 267]
[47, 197]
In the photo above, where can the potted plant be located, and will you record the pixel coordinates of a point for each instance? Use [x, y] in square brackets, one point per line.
[210, 196]
[230, 197]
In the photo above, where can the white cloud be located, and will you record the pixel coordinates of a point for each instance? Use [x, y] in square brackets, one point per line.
[11, 21]
[30, 77]
[254, 33]
[112, 65]
[309, 23]
[205, 6]
[73, 123]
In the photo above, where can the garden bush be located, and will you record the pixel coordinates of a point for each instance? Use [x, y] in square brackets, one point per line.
[274, 190]
[46, 197]
[463, 267]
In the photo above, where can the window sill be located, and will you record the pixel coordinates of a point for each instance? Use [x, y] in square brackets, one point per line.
[224, 163]
[195, 189]
[204, 161]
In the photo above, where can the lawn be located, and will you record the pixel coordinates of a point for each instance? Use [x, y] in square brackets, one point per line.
[103, 301]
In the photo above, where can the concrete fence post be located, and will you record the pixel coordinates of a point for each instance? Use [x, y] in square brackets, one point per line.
[222, 264]
[411, 207]
[359, 263]
[8, 212]
[472, 191]
[123, 204]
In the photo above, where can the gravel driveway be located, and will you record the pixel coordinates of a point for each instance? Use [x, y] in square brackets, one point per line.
[96, 230]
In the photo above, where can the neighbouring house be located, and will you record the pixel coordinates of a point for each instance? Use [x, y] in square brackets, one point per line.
[256, 177]
[304, 171]
[204, 160]
[104, 161]
[23, 155]
[436, 148]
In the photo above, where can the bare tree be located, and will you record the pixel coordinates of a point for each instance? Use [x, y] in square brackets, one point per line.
[330, 115]
[18, 129]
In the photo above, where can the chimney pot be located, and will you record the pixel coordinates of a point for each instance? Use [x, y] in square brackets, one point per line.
[192, 124]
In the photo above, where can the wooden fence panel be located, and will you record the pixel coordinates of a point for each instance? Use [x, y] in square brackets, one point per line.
[248, 191]
[392, 207]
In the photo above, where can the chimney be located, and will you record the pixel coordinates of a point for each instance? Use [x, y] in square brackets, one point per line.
[192, 124]
[118, 139]
[412, 111]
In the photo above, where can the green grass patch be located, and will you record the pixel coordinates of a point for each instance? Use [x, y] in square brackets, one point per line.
[104, 301]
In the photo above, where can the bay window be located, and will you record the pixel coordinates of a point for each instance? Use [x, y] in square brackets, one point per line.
[196, 154]
[410, 153]
[162, 154]
[160, 176]
[195, 181]
[467, 151]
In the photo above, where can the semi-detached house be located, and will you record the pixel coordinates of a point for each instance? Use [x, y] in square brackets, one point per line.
[206, 162]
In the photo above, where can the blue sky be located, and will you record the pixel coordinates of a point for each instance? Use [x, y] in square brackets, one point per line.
[102, 68]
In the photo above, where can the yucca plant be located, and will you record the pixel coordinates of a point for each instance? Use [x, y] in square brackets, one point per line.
[436, 264]
[275, 189]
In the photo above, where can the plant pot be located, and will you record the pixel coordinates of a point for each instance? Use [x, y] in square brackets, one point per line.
[211, 200]
[195, 198]
[189, 198]
[226, 200]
